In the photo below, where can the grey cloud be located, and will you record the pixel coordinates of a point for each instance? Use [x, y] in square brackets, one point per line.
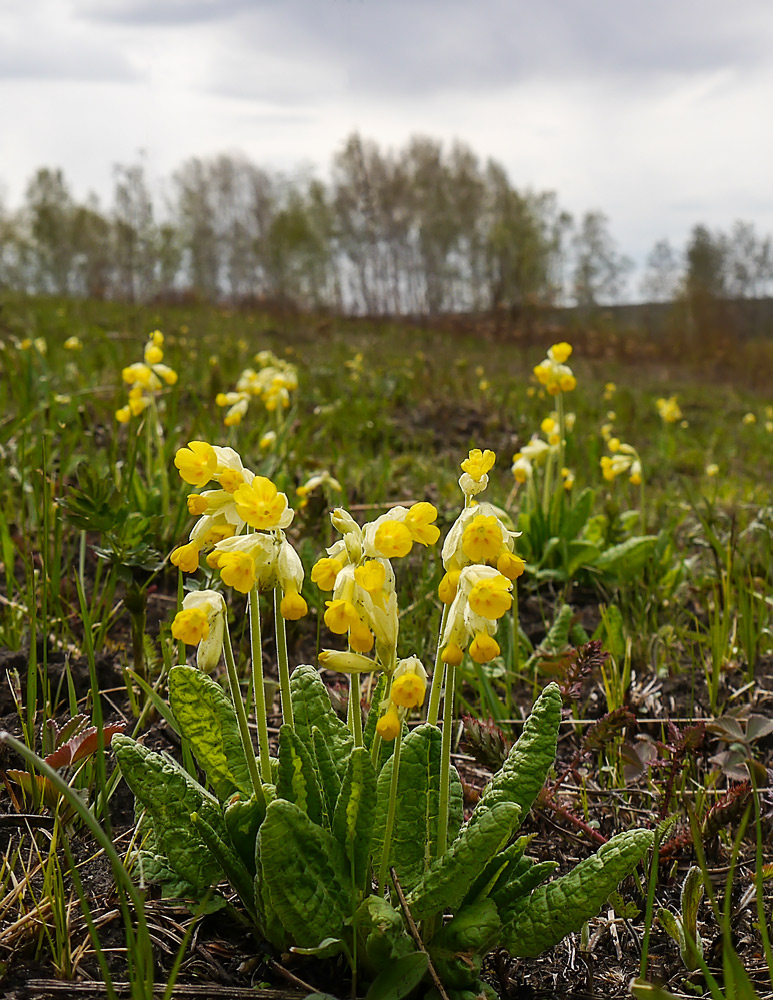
[50, 59]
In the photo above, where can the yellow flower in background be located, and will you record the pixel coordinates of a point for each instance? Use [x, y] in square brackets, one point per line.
[568, 477]
[669, 410]
[609, 390]
[560, 353]
[748, 419]
[553, 373]
[712, 469]
[73, 344]
[478, 463]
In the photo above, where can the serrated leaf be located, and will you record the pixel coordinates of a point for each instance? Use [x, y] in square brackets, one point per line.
[297, 780]
[312, 707]
[304, 872]
[449, 878]
[355, 813]
[207, 718]
[414, 837]
[233, 866]
[523, 773]
[554, 910]
[171, 796]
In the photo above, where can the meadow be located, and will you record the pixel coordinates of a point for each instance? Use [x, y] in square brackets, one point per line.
[574, 515]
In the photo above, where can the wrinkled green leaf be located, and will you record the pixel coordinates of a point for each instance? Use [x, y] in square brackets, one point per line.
[627, 558]
[330, 782]
[171, 796]
[399, 978]
[554, 910]
[457, 950]
[355, 813]
[523, 773]
[312, 707]
[387, 936]
[297, 780]
[449, 878]
[207, 718]
[304, 872]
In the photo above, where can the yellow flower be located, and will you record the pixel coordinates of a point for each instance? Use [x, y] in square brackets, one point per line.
[325, 571]
[73, 344]
[393, 539]
[157, 337]
[361, 639]
[613, 444]
[712, 469]
[510, 565]
[419, 520]
[237, 570]
[123, 415]
[197, 463]
[448, 586]
[341, 616]
[197, 504]
[669, 410]
[560, 353]
[388, 726]
[186, 557]
[153, 354]
[260, 504]
[453, 654]
[293, 606]
[548, 425]
[190, 626]
[370, 576]
[478, 463]
[491, 598]
[408, 690]
[483, 648]
[230, 479]
[749, 418]
[482, 539]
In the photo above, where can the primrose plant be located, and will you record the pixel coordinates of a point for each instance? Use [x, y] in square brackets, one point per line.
[351, 840]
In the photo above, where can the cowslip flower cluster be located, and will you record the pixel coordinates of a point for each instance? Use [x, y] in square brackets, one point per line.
[261, 557]
[669, 410]
[480, 566]
[145, 378]
[358, 571]
[407, 691]
[624, 459]
[553, 373]
[272, 383]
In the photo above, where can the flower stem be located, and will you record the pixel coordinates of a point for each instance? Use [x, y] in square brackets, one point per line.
[282, 660]
[355, 709]
[437, 674]
[241, 714]
[390, 821]
[445, 761]
[259, 691]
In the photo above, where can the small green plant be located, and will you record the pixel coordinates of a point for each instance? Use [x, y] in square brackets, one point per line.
[683, 926]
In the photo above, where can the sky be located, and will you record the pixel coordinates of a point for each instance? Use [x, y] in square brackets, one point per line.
[656, 113]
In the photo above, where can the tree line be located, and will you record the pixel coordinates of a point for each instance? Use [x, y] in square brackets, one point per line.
[426, 229]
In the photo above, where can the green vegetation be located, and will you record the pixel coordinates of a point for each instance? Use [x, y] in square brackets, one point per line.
[616, 573]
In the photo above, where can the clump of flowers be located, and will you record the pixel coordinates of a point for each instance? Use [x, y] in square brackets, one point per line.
[271, 384]
[669, 410]
[145, 378]
[623, 459]
[553, 373]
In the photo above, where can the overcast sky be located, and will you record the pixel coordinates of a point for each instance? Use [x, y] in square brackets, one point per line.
[657, 112]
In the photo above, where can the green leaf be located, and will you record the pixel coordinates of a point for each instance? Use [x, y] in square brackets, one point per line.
[312, 707]
[233, 866]
[580, 553]
[523, 773]
[304, 873]
[171, 796]
[355, 813]
[611, 631]
[445, 884]
[330, 782]
[521, 885]
[207, 718]
[242, 821]
[387, 936]
[297, 780]
[414, 837]
[554, 910]
[649, 991]
[576, 517]
[399, 978]
[458, 948]
[627, 558]
[325, 949]
[497, 871]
